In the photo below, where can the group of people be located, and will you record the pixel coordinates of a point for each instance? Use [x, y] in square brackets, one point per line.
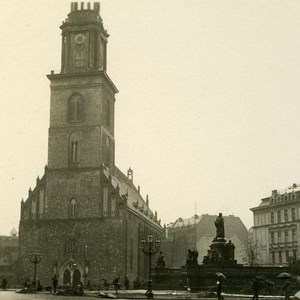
[116, 283]
[257, 285]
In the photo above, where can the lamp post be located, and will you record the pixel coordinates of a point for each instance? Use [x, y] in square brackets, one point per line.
[35, 258]
[150, 247]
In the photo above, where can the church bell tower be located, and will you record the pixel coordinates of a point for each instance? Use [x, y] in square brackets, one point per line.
[81, 133]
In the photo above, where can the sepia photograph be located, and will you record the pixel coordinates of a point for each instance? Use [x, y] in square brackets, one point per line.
[150, 149]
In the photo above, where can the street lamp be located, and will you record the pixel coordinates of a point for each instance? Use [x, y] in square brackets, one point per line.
[150, 248]
[35, 258]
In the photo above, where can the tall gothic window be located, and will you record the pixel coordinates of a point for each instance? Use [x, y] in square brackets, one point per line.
[75, 109]
[79, 57]
[74, 150]
[113, 205]
[73, 208]
[105, 201]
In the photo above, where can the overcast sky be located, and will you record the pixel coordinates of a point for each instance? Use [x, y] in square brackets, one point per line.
[208, 110]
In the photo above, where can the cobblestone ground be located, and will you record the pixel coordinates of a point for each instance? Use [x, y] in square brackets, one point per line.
[11, 295]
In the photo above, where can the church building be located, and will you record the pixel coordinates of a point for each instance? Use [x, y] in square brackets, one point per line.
[84, 215]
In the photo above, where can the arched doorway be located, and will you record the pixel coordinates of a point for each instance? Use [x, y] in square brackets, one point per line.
[77, 277]
[67, 277]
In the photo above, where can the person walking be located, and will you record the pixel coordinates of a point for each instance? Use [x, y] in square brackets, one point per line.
[126, 283]
[219, 287]
[54, 283]
[255, 287]
[287, 289]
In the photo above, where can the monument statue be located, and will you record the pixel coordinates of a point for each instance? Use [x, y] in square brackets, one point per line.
[219, 223]
[192, 258]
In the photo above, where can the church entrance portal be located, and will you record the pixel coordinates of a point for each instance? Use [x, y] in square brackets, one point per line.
[67, 277]
[77, 277]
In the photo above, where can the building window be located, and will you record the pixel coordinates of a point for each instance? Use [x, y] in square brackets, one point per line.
[294, 254]
[74, 151]
[294, 238]
[273, 257]
[287, 256]
[79, 57]
[33, 209]
[279, 216]
[293, 214]
[113, 205]
[75, 110]
[272, 218]
[279, 237]
[73, 209]
[272, 238]
[286, 218]
[131, 255]
[286, 236]
[74, 147]
[71, 247]
[105, 201]
[280, 257]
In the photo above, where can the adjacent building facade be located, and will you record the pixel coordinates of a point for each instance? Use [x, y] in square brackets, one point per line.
[84, 215]
[198, 232]
[276, 227]
[9, 254]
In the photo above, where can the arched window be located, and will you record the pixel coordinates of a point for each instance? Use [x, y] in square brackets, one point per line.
[74, 151]
[74, 148]
[105, 201]
[113, 205]
[75, 109]
[73, 208]
[33, 209]
[79, 57]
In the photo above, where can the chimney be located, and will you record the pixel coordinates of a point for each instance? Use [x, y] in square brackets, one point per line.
[139, 189]
[155, 215]
[147, 200]
[274, 193]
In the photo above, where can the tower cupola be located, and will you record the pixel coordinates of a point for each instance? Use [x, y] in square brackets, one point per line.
[84, 39]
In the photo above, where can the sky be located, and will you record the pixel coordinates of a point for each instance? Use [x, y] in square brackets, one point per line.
[207, 113]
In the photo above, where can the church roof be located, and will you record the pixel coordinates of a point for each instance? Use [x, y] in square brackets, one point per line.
[135, 201]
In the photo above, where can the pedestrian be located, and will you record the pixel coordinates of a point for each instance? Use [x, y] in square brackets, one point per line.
[287, 289]
[54, 283]
[4, 283]
[116, 284]
[255, 287]
[126, 283]
[219, 287]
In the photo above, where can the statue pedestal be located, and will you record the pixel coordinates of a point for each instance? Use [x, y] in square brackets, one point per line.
[217, 248]
[221, 254]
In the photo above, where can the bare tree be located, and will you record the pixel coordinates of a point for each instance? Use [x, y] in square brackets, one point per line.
[252, 252]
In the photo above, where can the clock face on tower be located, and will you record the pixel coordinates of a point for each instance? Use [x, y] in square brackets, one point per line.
[79, 38]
